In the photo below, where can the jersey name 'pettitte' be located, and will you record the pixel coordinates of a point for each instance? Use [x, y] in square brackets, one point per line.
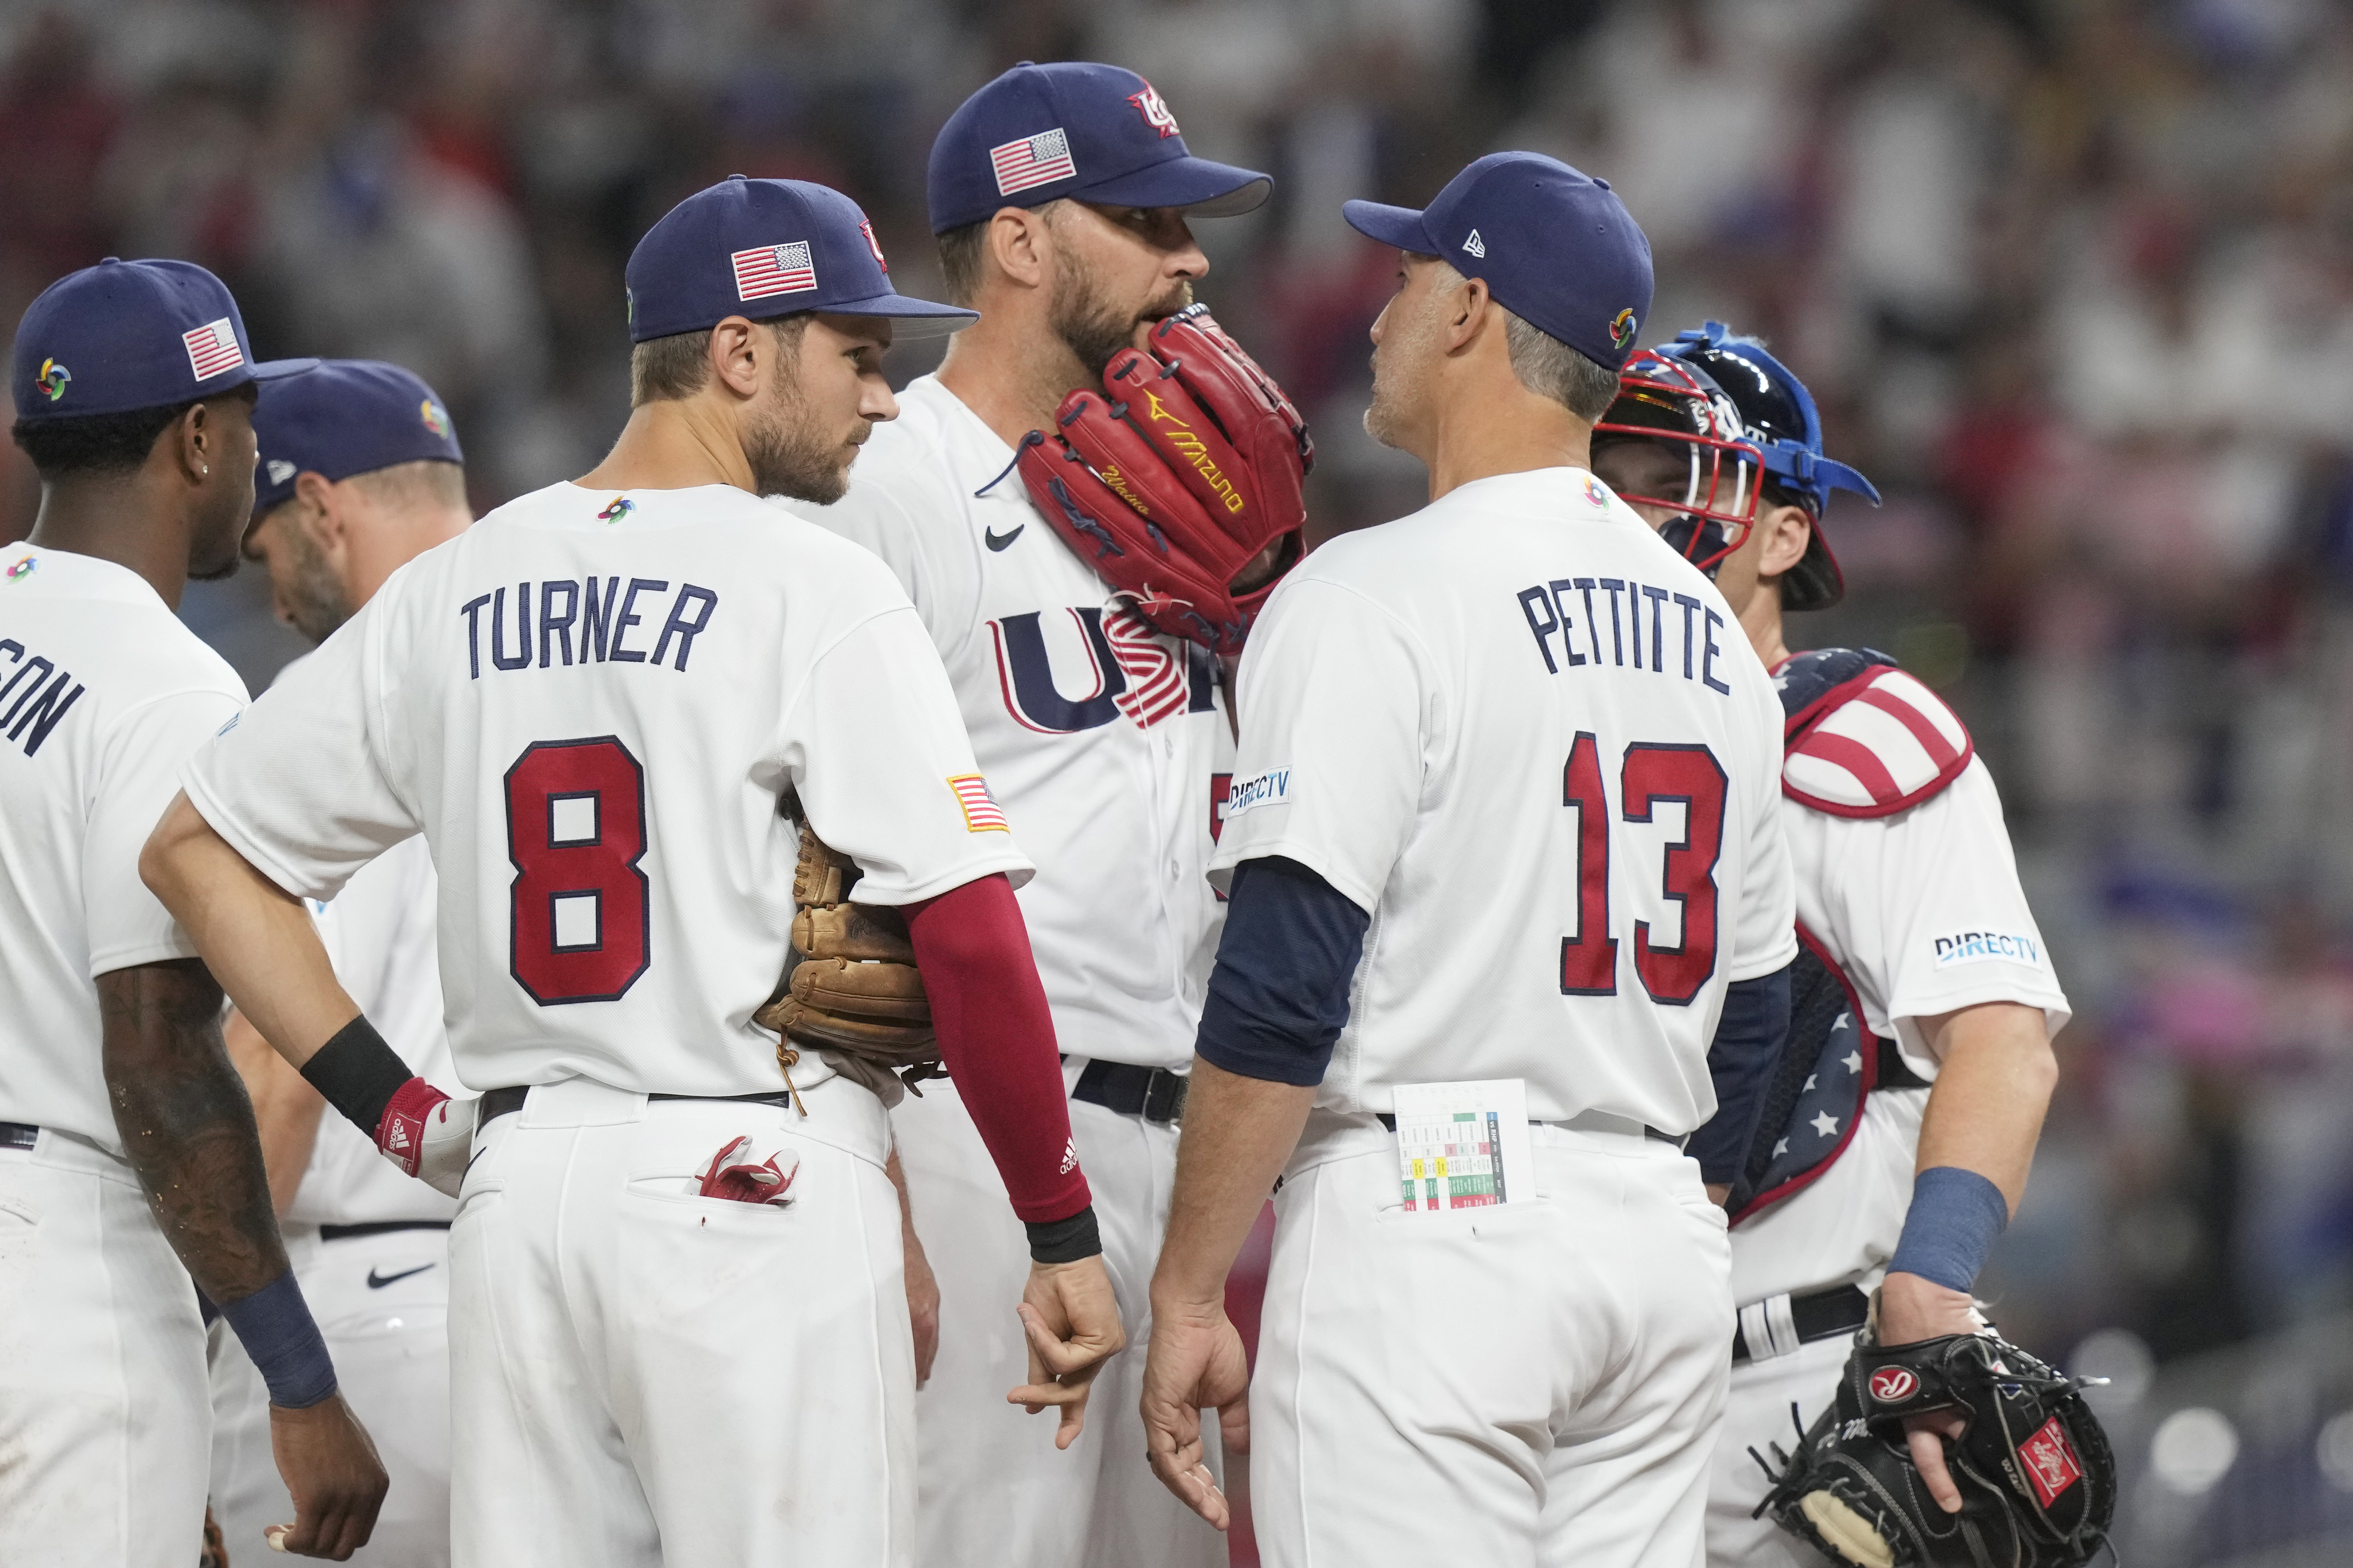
[1642, 639]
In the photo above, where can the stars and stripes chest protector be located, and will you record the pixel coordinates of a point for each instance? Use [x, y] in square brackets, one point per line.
[1861, 739]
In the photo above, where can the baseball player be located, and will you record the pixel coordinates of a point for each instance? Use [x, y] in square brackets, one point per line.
[677, 1328]
[128, 1160]
[1061, 195]
[1922, 963]
[1509, 901]
[360, 472]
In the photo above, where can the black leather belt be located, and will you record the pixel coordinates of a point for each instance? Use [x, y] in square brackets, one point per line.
[1155, 1094]
[498, 1103]
[378, 1228]
[1817, 1315]
[18, 1135]
[1648, 1132]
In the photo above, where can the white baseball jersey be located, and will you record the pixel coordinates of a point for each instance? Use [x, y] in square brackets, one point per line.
[1924, 912]
[1531, 740]
[103, 695]
[1107, 741]
[380, 934]
[590, 705]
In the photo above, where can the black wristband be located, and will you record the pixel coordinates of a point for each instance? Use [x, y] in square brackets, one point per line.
[1065, 1240]
[358, 1073]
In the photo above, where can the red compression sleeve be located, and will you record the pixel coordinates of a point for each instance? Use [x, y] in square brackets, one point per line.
[997, 1040]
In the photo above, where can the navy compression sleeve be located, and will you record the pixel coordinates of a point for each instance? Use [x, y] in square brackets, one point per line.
[1746, 1048]
[1278, 995]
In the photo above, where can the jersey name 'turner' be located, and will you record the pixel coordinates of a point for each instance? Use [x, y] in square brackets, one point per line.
[1546, 606]
[602, 618]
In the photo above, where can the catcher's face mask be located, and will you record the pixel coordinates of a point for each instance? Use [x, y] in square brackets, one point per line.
[1673, 444]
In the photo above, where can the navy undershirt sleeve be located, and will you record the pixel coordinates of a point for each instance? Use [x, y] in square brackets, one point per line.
[1278, 995]
[1748, 1047]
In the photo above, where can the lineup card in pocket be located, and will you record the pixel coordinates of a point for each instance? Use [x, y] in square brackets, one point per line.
[1463, 1145]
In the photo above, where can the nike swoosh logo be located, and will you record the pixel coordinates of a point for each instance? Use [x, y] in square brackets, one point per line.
[998, 542]
[378, 1281]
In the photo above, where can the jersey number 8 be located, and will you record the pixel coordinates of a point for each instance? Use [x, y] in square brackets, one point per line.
[576, 831]
[1651, 775]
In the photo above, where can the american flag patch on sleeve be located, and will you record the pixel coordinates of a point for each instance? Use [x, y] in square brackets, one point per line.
[767, 269]
[1039, 160]
[212, 349]
[981, 812]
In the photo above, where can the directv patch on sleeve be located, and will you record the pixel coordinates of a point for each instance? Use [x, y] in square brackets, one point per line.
[1271, 787]
[1986, 946]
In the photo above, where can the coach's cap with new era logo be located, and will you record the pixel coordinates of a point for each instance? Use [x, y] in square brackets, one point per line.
[133, 334]
[769, 247]
[1091, 132]
[348, 416]
[1557, 248]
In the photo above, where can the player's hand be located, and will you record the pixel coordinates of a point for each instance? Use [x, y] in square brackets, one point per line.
[1073, 1320]
[923, 1305]
[329, 1467]
[1195, 1361]
[1912, 1309]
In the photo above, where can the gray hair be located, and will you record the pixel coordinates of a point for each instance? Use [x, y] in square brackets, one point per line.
[1550, 368]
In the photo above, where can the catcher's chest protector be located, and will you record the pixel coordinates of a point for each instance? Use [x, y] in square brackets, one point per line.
[1861, 739]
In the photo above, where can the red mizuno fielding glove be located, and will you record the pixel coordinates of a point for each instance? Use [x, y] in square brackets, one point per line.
[1178, 478]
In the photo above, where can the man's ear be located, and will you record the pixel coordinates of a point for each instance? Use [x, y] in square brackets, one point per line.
[738, 350]
[1469, 311]
[194, 442]
[1787, 531]
[1020, 246]
[317, 509]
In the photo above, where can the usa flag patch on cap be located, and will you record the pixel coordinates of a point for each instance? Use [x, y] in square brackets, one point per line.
[767, 269]
[981, 812]
[1039, 160]
[212, 349]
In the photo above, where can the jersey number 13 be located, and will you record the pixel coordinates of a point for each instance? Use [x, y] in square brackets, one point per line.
[1652, 774]
[576, 831]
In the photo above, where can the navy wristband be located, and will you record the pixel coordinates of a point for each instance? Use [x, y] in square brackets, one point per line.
[275, 1327]
[1956, 1217]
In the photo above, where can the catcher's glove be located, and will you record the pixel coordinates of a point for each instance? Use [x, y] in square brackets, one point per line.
[851, 992]
[2037, 1481]
[1179, 480]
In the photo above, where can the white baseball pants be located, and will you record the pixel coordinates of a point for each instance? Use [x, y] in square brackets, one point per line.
[1757, 1414]
[1537, 1383]
[641, 1375]
[103, 1417]
[994, 1489]
[382, 1303]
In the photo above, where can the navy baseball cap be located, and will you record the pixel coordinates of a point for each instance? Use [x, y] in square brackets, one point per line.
[347, 416]
[763, 249]
[1092, 132]
[1557, 246]
[133, 334]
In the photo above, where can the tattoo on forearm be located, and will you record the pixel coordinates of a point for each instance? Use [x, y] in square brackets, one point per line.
[188, 1127]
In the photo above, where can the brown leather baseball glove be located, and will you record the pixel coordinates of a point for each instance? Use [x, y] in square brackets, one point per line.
[851, 992]
[1178, 478]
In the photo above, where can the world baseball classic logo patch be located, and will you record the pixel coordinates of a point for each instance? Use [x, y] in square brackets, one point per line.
[2049, 1460]
[1892, 1385]
[981, 812]
[767, 269]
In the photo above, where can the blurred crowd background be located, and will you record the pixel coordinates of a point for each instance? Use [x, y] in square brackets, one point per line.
[2073, 280]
